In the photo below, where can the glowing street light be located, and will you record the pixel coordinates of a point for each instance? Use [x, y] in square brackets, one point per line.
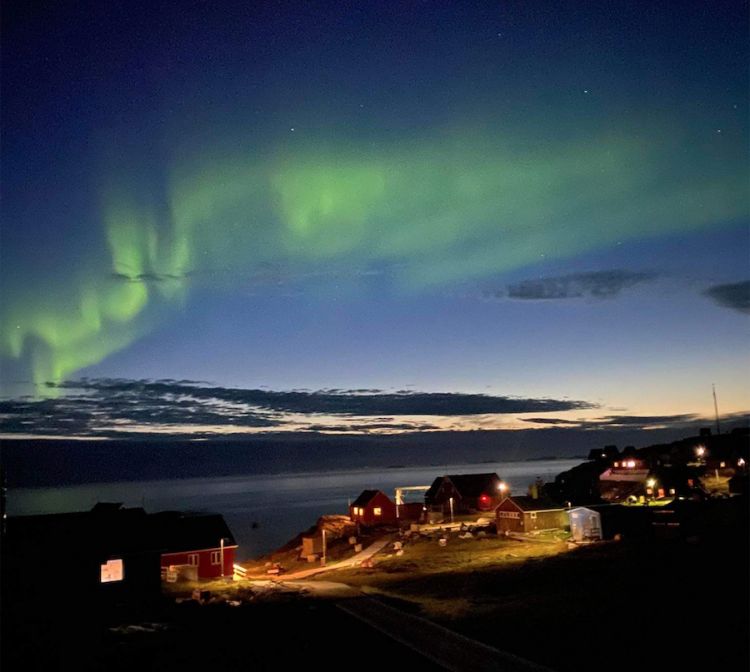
[221, 547]
[700, 451]
[450, 501]
[502, 487]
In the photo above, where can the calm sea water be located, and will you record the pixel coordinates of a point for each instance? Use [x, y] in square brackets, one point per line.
[281, 505]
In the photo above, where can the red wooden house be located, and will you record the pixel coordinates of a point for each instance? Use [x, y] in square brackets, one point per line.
[372, 508]
[203, 541]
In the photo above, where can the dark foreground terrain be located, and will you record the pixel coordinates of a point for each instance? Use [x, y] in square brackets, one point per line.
[277, 636]
[635, 604]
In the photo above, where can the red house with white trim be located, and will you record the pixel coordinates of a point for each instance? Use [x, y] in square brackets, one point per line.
[372, 508]
[203, 541]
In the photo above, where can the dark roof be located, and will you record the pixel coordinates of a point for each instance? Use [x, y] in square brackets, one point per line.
[179, 531]
[526, 503]
[467, 485]
[109, 529]
[366, 497]
[103, 531]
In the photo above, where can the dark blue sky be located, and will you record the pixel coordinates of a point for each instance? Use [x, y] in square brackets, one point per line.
[539, 200]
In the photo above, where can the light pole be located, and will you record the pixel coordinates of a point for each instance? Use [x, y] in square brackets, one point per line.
[450, 501]
[221, 546]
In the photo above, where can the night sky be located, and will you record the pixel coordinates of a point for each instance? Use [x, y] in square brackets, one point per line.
[373, 216]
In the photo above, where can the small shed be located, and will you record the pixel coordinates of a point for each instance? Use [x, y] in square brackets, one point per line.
[585, 524]
[527, 514]
[373, 508]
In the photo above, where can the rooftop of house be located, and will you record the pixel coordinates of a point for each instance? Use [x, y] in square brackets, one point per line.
[111, 528]
[526, 503]
[467, 485]
[367, 496]
[191, 531]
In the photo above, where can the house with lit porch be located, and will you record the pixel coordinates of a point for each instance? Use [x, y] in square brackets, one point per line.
[200, 544]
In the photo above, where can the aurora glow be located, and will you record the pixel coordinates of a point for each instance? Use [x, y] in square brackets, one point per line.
[182, 204]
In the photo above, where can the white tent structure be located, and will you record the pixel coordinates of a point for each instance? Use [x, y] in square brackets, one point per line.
[585, 524]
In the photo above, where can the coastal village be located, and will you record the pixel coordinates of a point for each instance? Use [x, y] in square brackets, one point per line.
[406, 545]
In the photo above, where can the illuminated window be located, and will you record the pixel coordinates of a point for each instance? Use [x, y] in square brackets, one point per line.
[533, 514]
[377, 511]
[215, 557]
[193, 559]
[112, 570]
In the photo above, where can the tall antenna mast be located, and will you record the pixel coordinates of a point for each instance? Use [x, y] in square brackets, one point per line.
[716, 409]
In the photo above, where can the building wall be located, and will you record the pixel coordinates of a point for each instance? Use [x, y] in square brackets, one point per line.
[441, 499]
[508, 517]
[209, 565]
[411, 511]
[544, 520]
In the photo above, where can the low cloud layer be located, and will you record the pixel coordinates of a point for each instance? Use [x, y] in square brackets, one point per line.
[596, 284]
[735, 296]
[684, 421]
[106, 407]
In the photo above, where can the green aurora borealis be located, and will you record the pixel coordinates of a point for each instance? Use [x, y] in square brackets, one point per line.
[439, 209]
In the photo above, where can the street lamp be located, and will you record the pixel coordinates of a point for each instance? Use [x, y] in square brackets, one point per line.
[221, 546]
[650, 484]
[502, 487]
[450, 501]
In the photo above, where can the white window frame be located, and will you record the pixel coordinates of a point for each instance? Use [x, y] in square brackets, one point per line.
[194, 559]
[215, 557]
[377, 511]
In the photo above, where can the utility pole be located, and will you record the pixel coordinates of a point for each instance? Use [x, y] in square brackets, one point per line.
[716, 409]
